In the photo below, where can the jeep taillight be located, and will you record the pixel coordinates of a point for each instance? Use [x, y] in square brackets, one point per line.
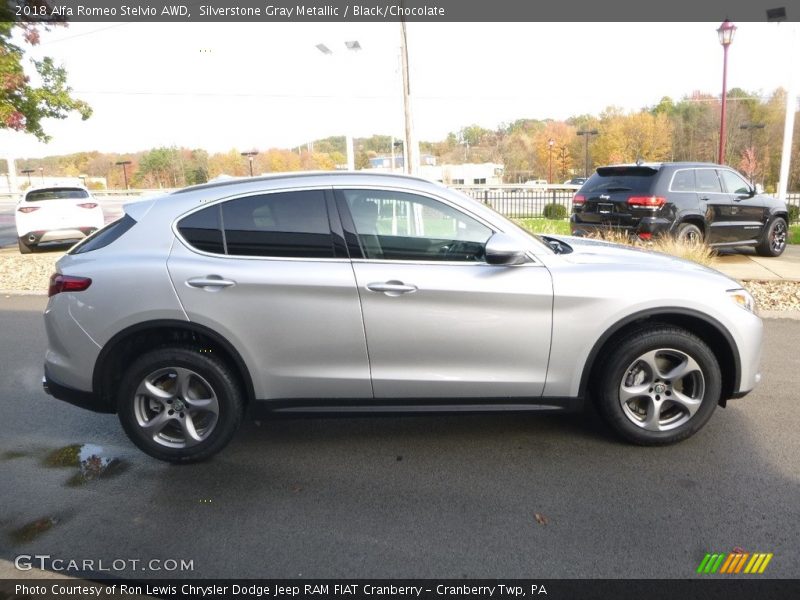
[647, 201]
[67, 283]
[578, 199]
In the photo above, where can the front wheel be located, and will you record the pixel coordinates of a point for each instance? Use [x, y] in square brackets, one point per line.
[774, 241]
[659, 385]
[180, 404]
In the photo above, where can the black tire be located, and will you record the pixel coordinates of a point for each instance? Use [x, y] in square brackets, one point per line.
[208, 380]
[625, 370]
[23, 247]
[689, 233]
[773, 242]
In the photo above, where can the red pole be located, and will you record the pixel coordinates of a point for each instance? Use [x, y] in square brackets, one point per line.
[724, 104]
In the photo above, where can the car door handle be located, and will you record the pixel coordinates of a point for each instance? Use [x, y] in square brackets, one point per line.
[705, 199]
[210, 283]
[392, 287]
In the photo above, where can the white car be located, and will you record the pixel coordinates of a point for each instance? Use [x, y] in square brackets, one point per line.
[56, 214]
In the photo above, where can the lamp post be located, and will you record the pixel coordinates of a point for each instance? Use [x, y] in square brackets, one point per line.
[41, 174]
[28, 173]
[750, 127]
[587, 133]
[124, 164]
[250, 154]
[353, 46]
[550, 143]
[725, 32]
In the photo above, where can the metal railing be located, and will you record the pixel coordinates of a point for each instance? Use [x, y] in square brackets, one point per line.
[513, 201]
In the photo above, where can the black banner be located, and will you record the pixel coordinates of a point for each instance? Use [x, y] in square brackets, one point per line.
[732, 588]
[395, 10]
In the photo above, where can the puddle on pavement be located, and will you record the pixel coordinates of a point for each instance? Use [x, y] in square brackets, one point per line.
[30, 531]
[13, 454]
[91, 460]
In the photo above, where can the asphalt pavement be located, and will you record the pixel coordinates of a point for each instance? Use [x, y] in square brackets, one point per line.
[424, 496]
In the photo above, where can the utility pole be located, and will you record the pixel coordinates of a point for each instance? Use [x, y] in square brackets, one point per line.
[410, 149]
[586, 133]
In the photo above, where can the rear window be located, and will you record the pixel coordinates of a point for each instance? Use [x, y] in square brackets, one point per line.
[56, 194]
[105, 236]
[620, 179]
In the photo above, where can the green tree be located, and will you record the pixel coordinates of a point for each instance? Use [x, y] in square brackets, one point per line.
[23, 105]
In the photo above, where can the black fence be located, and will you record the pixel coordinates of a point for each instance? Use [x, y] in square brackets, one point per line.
[520, 203]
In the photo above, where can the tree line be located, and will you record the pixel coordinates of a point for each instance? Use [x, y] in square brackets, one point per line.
[687, 129]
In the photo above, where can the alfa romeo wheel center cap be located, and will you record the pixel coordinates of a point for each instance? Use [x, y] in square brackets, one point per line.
[659, 388]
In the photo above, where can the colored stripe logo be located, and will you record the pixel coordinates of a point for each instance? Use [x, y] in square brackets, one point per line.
[734, 563]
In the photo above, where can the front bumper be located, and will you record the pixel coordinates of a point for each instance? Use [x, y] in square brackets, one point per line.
[87, 400]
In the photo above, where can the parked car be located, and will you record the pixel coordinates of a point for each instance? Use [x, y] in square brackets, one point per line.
[692, 201]
[354, 292]
[576, 181]
[56, 214]
[535, 184]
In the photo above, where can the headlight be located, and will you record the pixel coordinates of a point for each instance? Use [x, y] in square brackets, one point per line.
[743, 299]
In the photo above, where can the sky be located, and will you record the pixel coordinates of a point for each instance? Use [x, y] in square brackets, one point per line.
[220, 86]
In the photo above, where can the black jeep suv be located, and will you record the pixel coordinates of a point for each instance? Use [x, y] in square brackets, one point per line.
[692, 201]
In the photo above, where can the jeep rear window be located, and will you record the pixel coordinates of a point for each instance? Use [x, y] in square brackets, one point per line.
[621, 179]
[105, 236]
[56, 194]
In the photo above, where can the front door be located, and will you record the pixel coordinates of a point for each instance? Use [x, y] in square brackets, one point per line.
[440, 322]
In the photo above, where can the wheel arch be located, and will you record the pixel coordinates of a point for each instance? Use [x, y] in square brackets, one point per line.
[694, 219]
[128, 343]
[711, 331]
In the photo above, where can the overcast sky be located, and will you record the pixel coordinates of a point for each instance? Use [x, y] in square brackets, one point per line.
[221, 86]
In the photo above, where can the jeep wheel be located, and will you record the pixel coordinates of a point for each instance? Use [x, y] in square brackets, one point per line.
[689, 233]
[773, 243]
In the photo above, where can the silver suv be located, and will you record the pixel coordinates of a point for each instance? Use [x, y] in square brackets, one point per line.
[354, 292]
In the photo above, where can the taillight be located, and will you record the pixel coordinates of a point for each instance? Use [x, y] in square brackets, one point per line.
[644, 235]
[88, 205]
[28, 209]
[647, 201]
[578, 199]
[67, 283]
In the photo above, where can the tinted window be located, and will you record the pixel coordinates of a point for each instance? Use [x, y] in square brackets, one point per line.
[683, 181]
[620, 179]
[56, 194]
[285, 224]
[734, 183]
[105, 236]
[202, 230]
[707, 181]
[399, 226]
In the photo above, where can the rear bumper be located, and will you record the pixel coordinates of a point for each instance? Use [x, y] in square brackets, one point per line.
[32, 238]
[80, 398]
[653, 225]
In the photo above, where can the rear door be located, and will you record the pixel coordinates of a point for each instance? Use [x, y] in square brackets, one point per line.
[605, 195]
[267, 272]
[441, 322]
[717, 205]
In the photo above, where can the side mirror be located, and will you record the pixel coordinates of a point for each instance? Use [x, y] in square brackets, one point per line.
[502, 249]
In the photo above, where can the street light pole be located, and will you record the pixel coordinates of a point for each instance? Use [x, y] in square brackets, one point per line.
[28, 173]
[124, 164]
[550, 143]
[250, 154]
[586, 133]
[725, 32]
[353, 46]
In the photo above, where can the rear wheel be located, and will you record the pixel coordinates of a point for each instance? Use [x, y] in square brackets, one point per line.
[773, 243]
[23, 247]
[180, 404]
[689, 233]
[659, 385]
